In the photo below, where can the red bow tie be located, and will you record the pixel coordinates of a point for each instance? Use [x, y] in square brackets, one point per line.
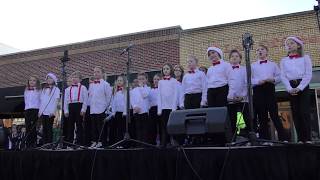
[119, 88]
[265, 61]
[166, 78]
[74, 85]
[294, 56]
[215, 63]
[31, 89]
[97, 82]
[191, 71]
[234, 67]
[156, 87]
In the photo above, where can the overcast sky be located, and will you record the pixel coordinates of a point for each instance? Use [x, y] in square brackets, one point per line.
[34, 24]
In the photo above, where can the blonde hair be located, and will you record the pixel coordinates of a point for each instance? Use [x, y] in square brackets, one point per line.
[37, 82]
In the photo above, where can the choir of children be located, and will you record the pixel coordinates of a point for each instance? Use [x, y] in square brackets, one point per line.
[222, 84]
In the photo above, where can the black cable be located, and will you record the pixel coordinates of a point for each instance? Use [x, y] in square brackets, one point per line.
[96, 150]
[190, 164]
[229, 148]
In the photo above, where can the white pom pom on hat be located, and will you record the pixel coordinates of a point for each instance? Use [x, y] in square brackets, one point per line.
[54, 77]
[218, 50]
[295, 39]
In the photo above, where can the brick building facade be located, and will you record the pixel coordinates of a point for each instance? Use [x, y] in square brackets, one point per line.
[271, 31]
[154, 48]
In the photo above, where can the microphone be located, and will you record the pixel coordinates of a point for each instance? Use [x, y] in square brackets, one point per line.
[126, 49]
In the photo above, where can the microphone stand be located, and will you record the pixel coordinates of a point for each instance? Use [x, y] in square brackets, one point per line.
[61, 142]
[317, 10]
[247, 43]
[127, 138]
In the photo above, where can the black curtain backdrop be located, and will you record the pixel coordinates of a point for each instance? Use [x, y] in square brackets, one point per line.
[270, 163]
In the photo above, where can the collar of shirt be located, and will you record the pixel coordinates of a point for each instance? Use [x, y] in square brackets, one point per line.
[294, 56]
[263, 61]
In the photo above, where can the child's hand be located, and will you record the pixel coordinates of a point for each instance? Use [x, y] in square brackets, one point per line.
[294, 91]
[262, 82]
[270, 80]
[238, 99]
[51, 115]
[136, 110]
[66, 114]
[82, 113]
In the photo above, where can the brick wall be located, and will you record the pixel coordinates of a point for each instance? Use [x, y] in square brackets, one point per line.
[152, 49]
[271, 31]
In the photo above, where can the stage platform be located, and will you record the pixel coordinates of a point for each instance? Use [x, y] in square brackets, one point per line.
[292, 162]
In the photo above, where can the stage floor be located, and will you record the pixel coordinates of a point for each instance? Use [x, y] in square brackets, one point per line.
[278, 162]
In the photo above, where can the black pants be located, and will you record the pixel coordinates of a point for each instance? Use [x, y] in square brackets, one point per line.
[300, 106]
[87, 128]
[264, 100]
[75, 118]
[192, 101]
[217, 97]
[96, 126]
[117, 127]
[141, 125]
[164, 138]
[31, 118]
[47, 123]
[233, 110]
[154, 125]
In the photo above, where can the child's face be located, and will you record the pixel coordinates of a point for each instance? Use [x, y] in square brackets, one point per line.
[75, 79]
[262, 52]
[32, 82]
[142, 80]
[166, 70]
[120, 81]
[50, 81]
[135, 83]
[192, 63]
[156, 80]
[213, 56]
[69, 81]
[292, 45]
[97, 73]
[202, 69]
[235, 58]
[177, 72]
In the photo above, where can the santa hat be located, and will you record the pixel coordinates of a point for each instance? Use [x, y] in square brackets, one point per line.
[295, 39]
[219, 51]
[52, 76]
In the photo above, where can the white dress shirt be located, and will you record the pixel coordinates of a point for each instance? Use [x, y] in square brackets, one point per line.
[238, 83]
[193, 83]
[76, 94]
[100, 96]
[180, 95]
[263, 70]
[167, 96]
[32, 99]
[118, 103]
[153, 97]
[296, 68]
[49, 100]
[140, 98]
[218, 75]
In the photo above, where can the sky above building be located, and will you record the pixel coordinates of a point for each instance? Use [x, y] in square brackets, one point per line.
[35, 24]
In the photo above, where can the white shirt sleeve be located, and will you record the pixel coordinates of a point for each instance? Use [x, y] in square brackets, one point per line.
[308, 73]
[183, 87]
[84, 94]
[277, 74]
[159, 98]
[66, 101]
[254, 79]
[204, 89]
[108, 93]
[284, 78]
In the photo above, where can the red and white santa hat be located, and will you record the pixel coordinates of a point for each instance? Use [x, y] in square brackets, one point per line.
[54, 77]
[218, 50]
[295, 39]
